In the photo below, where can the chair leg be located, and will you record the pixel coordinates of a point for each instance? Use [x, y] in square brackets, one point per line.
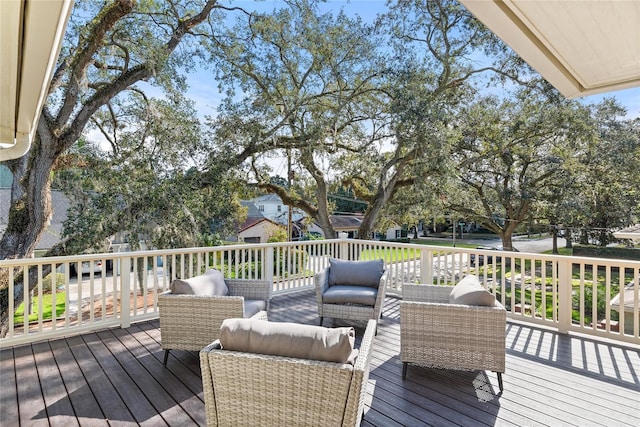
[166, 356]
[404, 370]
[321, 318]
[500, 381]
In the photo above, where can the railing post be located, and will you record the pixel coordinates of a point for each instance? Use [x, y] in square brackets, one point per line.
[426, 266]
[125, 292]
[344, 245]
[564, 296]
[268, 264]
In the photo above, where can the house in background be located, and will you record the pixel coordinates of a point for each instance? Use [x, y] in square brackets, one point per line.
[350, 224]
[257, 228]
[272, 207]
[341, 224]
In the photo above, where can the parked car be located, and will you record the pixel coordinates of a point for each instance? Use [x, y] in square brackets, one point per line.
[86, 268]
[480, 258]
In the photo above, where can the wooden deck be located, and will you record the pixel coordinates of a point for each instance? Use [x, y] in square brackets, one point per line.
[116, 377]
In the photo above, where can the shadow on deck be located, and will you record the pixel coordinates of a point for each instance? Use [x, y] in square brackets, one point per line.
[116, 377]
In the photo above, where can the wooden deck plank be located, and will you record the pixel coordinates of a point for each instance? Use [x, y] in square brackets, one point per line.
[85, 407]
[31, 407]
[57, 403]
[164, 390]
[9, 395]
[162, 408]
[112, 407]
[109, 360]
[116, 377]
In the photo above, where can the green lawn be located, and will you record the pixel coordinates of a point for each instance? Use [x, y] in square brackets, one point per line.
[447, 243]
[405, 254]
[390, 255]
[527, 300]
[47, 308]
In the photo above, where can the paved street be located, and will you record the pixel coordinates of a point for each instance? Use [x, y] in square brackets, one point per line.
[537, 245]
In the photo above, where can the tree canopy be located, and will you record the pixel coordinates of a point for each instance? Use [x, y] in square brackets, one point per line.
[515, 154]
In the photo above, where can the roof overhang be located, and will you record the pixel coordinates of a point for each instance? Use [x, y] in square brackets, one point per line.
[580, 47]
[632, 233]
[31, 34]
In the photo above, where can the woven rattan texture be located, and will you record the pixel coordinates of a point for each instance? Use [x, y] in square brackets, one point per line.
[191, 322]
[260, 390]
[437, 334]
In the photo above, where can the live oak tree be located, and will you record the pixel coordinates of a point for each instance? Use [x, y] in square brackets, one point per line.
[300, 84]
[109, 48]
[430, 74]
[514, 155]
[608, 179]
[350, 107]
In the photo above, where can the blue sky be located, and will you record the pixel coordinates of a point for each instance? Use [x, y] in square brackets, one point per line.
[203, 88]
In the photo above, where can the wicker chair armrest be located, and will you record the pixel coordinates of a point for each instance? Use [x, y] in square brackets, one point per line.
[354, 407]
[364, 352]
[250, 289]
[189, 322]
[321, 281]
[426, 293]
[450, 319]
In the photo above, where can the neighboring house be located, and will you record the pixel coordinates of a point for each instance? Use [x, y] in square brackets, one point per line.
[258, 230]
[393, 232]
[272, 207]
[350, 224]
[341, 224]
[632, 233]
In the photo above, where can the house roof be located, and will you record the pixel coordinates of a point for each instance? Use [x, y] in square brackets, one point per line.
[345, 222]
[273, 198]
[252, 209]
[252, 222]
[632, 233]
[580, 47]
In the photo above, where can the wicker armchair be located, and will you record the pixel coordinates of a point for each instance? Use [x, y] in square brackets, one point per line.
[191, 322]
[251, 389]
[437, 334]
[351, 310]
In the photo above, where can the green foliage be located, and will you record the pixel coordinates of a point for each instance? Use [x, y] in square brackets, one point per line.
[279, 234]
[291, 262]
[47, 282]
[600, 304]
[515, 157]
[287, 263]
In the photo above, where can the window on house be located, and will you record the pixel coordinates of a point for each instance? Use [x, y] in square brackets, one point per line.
[261, 208]
[279, 208]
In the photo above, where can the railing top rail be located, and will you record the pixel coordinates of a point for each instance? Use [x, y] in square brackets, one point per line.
[252, 246]
[157, 252]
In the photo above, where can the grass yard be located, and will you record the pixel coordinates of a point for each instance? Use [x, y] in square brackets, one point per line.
[47, 308]
[390, 255]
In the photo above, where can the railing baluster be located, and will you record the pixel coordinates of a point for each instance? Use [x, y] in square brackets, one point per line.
[292, 266]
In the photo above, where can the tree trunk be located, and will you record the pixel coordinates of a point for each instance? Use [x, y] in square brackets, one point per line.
[554, 235]
[568, 238]
[30, 211]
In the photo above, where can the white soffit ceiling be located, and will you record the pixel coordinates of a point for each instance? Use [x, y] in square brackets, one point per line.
[31, 33]
[580, 47]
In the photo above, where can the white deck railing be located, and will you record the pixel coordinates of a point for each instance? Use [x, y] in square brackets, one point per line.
[565, 293]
